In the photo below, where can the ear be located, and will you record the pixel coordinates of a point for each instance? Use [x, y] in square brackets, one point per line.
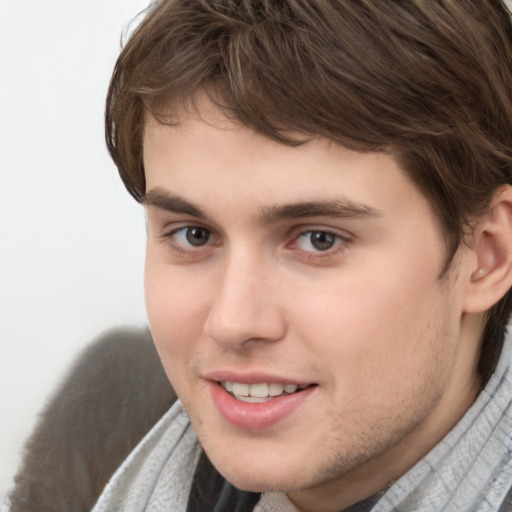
[491, 272]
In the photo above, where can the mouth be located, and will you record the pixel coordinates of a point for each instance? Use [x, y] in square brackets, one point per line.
[260, 392]
[258, 402]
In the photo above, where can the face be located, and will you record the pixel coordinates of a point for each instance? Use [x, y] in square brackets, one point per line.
[295, 300]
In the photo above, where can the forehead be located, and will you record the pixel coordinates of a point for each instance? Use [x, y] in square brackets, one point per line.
[206, 157]
[241, 183]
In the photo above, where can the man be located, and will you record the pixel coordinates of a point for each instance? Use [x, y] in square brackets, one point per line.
[329, 203]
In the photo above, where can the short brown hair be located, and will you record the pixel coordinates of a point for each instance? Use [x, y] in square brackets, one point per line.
[428, 81]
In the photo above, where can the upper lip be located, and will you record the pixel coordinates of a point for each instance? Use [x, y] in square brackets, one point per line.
[252, 377]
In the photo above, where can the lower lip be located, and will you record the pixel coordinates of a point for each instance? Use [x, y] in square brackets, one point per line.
[260, 415]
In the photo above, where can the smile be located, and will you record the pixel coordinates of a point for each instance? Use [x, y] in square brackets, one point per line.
[259, 405]
[260, 392]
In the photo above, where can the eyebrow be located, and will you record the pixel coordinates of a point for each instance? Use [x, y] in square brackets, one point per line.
[171, 203]
[340, 208]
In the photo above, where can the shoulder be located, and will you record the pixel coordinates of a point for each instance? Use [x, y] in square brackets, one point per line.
[111, 397]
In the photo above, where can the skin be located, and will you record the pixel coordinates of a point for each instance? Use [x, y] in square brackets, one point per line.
[386, 342]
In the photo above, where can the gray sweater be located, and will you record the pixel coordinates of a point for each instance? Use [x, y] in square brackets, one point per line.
[470, 470]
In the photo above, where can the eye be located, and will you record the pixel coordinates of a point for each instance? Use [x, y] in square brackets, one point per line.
[318, 241]
[191, 236]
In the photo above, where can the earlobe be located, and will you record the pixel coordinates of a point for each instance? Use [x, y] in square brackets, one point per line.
[492, 248]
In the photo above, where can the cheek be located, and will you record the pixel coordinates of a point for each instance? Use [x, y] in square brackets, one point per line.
[379, 329]
[176, 311]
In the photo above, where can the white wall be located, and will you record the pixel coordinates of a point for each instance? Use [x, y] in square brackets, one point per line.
[71, 239]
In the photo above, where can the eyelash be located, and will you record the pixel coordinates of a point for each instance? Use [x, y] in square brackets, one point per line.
[341, 241]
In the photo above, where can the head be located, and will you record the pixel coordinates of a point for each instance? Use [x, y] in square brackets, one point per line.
[419, 90]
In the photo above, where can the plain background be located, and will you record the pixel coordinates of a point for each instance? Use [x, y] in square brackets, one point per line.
[71, 238]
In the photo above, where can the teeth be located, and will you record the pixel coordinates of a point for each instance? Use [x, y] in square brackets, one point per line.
[275, 389]
[258, 390]
[240, 389]
[253, 399]
[247, 392]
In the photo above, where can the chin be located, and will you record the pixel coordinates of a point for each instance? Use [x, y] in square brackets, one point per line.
[262, 476]
[260, 483]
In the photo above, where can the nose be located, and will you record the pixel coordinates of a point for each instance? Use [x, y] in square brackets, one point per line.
[244, 306]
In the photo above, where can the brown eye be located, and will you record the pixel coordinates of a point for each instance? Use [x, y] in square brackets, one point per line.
[322, 241]
[197, 236]
[318, 241]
